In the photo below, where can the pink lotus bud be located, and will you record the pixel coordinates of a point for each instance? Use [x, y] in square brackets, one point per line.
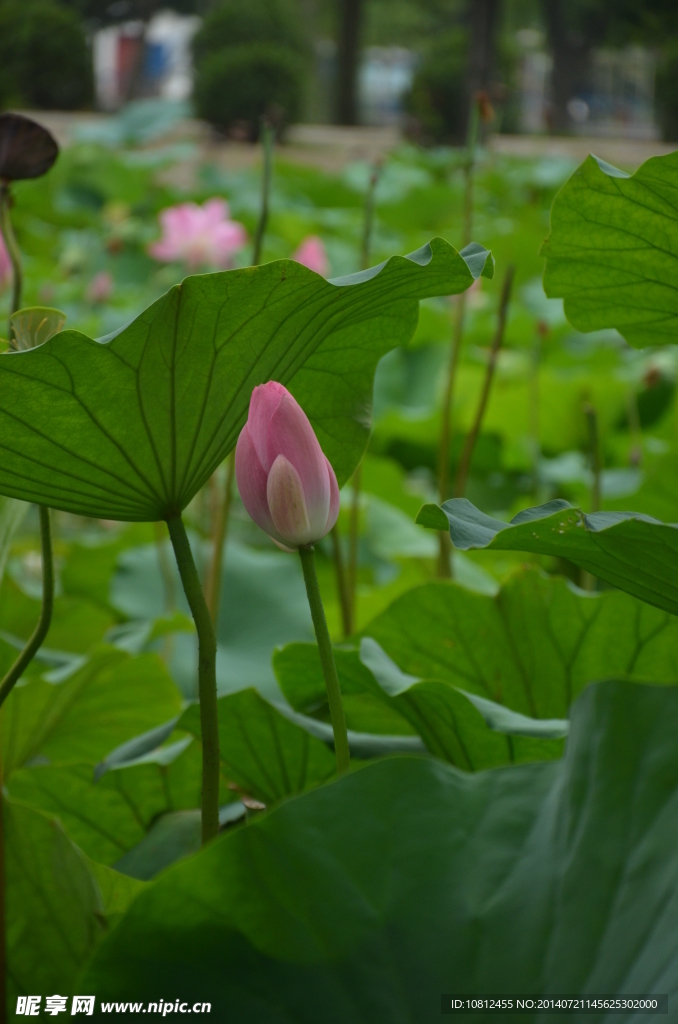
[100, 287]
[286, 483]
[311, 253]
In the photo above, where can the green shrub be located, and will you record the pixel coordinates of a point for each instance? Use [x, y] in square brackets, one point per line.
[44, 57]
[243, 83]
[236, 23]
[437, 101]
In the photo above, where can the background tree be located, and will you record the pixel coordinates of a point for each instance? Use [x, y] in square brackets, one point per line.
[575, 27]
[351, 17]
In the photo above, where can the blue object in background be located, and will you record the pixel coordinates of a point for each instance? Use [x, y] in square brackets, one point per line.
[156, 60]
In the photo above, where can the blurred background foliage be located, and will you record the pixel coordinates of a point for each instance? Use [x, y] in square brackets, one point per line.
[565, 66]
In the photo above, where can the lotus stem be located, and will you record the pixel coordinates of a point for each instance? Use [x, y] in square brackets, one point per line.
[445, 566]
[207, 676]
[342, 586]
[354, 521]
[223, 513]
[472, 437]
[40, 632]
[635, 429]
[588, 580]
[353, 543]
[307, 555]
[267, 140]
[368, 216]
[445, 551]
[10, 241]
[594, 447]
[540, 334]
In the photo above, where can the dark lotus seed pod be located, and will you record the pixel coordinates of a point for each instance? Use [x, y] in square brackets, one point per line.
[27, 150]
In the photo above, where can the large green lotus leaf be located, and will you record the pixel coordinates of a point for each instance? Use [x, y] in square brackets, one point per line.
[108, 817]
[131, 427]
[613, 250]
[371, 897]
[631, 551]
[262, 752]
[54, 907]
[451, 727]
[533, 646]
[109, 699]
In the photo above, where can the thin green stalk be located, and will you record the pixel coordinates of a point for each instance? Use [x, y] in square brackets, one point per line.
[354, 519]
[322, 635]
[267, 140]
[353, 539]
[535, 444]
[445, 550]
[9, 238]
[588, 580]
[472, 437]
[42, 628]
[368, 217]
[635, 430]
[224, 502]
[207, 676]
[342, 588]
[594, 447]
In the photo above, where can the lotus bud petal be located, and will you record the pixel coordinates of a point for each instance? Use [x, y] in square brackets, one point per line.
[285, 481]
[312, 254]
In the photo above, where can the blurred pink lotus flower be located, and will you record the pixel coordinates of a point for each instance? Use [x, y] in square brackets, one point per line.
[100, 287]
[5, 265]
[199, 236]
[286, 483]
[312, 254]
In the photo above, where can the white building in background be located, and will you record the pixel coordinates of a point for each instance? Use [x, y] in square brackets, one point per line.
[167, 65]
[384, 78]
[618, 99]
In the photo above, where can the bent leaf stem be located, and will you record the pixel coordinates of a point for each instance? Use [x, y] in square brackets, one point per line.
[353, 537]
[445, 551]
[267, 140]
[207, 676]
[10, 241]
[354, 521]
[42, 628]
[322, 635]
[342, 588]
[588, 580]
[223, 512]
[467, 454]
